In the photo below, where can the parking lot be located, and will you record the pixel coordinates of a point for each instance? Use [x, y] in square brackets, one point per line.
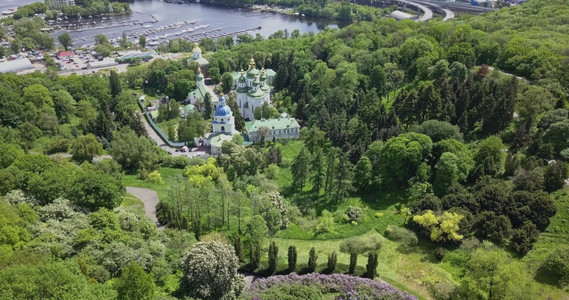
[79, 61]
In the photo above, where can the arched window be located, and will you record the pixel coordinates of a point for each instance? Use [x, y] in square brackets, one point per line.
[222, 128]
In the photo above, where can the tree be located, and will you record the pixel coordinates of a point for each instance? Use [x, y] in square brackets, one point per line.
[447, 173]
[256, 230]
[438, 130]
[129, 150]
[343, 180]
[371, 266]
[332, 259]
[292, 256]
[489, 158]
[312, 260]
[94, 189]
[317, 165]
[65, 40]
[492, 274]
[207, 106]
[363, 174]
[254, 255]
[210, 272]
[86, 147]
[226, 82]
[135, 284]
[404, 154]
[523, 238]
[115, 84]
[142, 41]
[300, 169]
[557, 264]
[443, 227]
[273, 257]
[38, 95]
[64, 105]
[555, 175]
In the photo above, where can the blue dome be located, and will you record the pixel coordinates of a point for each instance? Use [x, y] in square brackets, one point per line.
[222, 111]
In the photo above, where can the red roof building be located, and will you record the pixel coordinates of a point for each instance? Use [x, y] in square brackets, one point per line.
[65, 54]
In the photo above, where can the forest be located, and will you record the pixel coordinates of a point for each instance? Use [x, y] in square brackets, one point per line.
[432, 158]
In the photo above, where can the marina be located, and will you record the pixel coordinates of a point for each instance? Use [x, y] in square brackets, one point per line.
[160, 21]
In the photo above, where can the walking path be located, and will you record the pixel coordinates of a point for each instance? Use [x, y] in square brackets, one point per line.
[150, 199]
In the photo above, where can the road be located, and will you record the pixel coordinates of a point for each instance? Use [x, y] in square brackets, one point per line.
[150, 199]
[156, 138]
[427, 12]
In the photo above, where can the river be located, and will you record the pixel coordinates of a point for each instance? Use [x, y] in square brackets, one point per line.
[194, 22]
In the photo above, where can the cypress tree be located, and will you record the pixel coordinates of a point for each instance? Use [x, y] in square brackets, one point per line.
[299, 169]
[332, 259]
[273, 257]
[238, 248]
[291, 258]
[317, 164]
[255, 255]
[371, 266]
[115, 84]
[312, 260]
[353, 262]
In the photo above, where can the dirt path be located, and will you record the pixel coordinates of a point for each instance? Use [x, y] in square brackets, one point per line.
[150, 199]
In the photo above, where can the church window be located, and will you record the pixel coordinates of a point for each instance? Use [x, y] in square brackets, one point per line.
[222, 128]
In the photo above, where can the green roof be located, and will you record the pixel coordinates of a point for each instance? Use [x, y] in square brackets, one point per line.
[256, 94]
[217, 139]
[189, 109]
[202, 61]
[270, 72]
[280, 123]
[200, 92]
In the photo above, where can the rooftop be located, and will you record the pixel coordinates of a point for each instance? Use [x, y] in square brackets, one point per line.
[16, 65]
[280, 123]
[216, 140]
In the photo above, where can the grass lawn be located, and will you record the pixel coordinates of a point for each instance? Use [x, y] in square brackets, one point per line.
[162, 189]
[410, 270]
[557, 233]
[130, 202]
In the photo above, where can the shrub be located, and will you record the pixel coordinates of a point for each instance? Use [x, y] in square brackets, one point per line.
[332, 259]
[273, 257]
[255, 255]
[400, 234]
[557, 263]
[291, 292]
[327, 284]
[272, 171]
[353, 262]
[312, 260]
[57, 145]
[371, 267]
[155, 177]
[215, 236]
[440, 253]
[355, 214]
[292, 258]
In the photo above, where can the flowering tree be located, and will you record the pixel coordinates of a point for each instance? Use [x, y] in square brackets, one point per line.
[210, 272]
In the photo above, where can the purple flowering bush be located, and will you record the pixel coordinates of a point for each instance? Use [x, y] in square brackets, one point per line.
[347, 287]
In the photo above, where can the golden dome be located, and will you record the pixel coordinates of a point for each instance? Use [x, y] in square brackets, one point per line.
[252, 63]
[196, 47]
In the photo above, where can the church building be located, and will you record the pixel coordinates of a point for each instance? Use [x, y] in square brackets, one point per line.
[197, 57]
[197, 96]
[252, 89]
[223, 128]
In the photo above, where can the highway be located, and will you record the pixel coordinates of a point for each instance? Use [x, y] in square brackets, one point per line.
[427, 12]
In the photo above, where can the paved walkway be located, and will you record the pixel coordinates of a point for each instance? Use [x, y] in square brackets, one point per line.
[69, 155]
[150, 199]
